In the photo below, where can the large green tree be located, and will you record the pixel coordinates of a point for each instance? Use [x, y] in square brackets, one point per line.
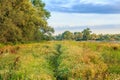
[23, 20]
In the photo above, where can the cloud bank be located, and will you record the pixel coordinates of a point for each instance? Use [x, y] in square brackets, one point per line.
[101, 29]
[84, 6]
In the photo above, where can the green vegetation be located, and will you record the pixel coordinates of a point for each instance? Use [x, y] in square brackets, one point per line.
[86, 35]
[64, 60]
[23, 21]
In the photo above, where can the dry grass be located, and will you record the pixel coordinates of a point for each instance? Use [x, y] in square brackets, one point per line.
[60, 60]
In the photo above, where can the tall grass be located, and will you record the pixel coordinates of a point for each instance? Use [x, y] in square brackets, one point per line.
[110, 52]
[31, 65]
[60, 60]
[80, 64]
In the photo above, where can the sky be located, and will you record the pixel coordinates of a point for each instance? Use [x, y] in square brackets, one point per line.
[102, 16]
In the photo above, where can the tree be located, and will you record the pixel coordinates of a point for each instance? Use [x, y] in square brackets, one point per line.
[117, 37]
[78, 36]
[86, 34]
[67, 35]
[23, 20]
[58, 37]
[93, 36]
[9, 32]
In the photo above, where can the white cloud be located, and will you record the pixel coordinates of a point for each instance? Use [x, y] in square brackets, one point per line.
[72, 2]
[69, 3]
[83, 6]
[101, 2]
[101, 29]
[76, 19]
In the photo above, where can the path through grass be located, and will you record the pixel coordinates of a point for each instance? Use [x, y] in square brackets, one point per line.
[65, 60]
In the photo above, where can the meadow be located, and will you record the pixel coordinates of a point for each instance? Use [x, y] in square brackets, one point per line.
[60, 60]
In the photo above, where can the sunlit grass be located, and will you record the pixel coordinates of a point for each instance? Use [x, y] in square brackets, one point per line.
[60, 60]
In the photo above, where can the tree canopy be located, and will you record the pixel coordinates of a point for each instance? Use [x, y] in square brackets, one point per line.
[86, 34]
[67, 35]
[23, 20]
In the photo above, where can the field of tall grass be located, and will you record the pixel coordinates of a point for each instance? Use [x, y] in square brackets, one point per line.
[60, 60]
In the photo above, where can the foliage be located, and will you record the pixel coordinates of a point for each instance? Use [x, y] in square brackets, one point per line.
[87, 34]
[67, 35]
[22, 21]
[78, 36]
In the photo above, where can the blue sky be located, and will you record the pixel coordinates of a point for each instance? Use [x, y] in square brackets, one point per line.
[84, 6]
[89, 13]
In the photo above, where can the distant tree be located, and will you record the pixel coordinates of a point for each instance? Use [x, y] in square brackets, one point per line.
[107, 37]
[78, 36]
[100, 37]
[58, 37]
[67, 35]
[94, 36]
[86, 34]
[117, 37]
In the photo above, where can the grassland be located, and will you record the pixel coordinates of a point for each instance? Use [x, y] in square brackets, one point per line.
[60, 60]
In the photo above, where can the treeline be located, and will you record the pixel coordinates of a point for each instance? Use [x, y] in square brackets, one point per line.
[23, 21]
[87, 34]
